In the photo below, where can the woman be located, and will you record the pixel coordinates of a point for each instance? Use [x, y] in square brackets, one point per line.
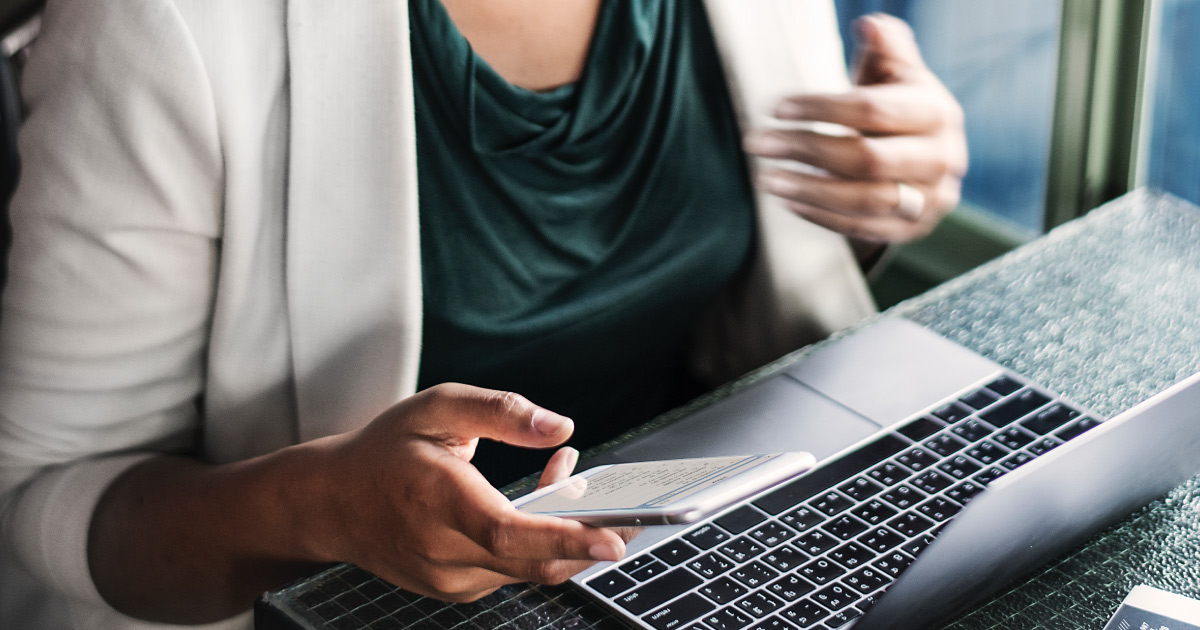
[213, 329]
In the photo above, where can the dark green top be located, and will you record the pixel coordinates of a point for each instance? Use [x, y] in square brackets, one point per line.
[570, 238]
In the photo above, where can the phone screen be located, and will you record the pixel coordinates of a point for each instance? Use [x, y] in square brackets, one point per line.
[643, 485]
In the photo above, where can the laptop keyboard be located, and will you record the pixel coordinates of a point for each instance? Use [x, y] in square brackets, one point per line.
[817, 552]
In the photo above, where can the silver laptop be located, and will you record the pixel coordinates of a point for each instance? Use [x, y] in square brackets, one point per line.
[941, 477]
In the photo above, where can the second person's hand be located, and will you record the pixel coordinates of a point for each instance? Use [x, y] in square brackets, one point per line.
[899, 169]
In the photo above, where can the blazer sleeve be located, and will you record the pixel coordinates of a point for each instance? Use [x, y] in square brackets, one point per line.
[112, 271]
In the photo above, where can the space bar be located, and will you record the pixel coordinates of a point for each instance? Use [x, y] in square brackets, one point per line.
[832, 473]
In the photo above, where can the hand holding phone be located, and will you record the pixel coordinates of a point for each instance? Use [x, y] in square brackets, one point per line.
[662, 492]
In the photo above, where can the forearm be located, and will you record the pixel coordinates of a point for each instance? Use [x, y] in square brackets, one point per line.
[180, 541]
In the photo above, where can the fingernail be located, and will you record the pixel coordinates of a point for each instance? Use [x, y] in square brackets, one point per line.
[791, 110]
[572, 458]
[777, 184]
[548, 422]
[767, 144]
[605, 552]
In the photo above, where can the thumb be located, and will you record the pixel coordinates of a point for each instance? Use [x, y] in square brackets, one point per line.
[887, 50]
[455, 413]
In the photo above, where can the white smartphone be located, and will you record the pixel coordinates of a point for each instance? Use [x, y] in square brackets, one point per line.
[663, 492]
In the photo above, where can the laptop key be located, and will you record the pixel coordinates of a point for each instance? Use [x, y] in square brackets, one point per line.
[1004, 385]
[881, 539]
[958, 467]
[662, 589]
[675, 552]
[953, 412]
[910, 524]
[611, 583]
[648, 571]
[1017, 460]
[988, 475]
[785, 558]
[915, 546]
[933, 482]
[845, 527]
[1015, 408]
[821, 571]
[679, 612]
[979, 398]
[971, 430]
[917, 459]
[1014, 437]
[759, 604]
[860, 488]
[893, 564]
[773, 623]
[964, 492]
[875, 511]
[754, 574]
[1077, 428]
[1050, 418]
[633, 564]
[904, 497]
[805, 613]
[706, 536]
[945, 444]
[816, 542]
[830, 503]
[889, 474]
[921, 428]
[842, 617]
[710, 565]
[727, 619]
[771, 534]
[939, 508]
[851, 555]
[740, 519]
[741, 549]
[791, 587]
[987, 452]
[723, 591]
[835, 596]
[802, 518]
[1044, 445]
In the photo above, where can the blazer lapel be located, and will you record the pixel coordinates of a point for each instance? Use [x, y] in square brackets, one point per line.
[353, 261]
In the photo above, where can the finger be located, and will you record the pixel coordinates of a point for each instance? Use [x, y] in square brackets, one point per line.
[886, 50]
[560, 466]
[896, 158]
[510, 534]
[454, 412]
[475, 568]
[892, 109]
[861, 199]
[861, 228]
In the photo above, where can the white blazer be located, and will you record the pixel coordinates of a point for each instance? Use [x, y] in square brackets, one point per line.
[216, 246]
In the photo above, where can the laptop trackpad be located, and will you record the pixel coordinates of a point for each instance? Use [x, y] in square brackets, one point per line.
[776, 415]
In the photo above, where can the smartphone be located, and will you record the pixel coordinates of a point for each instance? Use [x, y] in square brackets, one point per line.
[663, 492]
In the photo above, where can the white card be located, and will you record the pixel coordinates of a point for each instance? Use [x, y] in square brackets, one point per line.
[1148, 608]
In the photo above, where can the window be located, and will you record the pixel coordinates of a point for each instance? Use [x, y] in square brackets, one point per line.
[1170, 143]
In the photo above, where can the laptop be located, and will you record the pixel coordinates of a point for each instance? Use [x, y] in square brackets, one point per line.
[941, 476]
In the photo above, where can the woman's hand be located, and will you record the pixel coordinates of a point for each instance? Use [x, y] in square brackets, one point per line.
[408, 505]
[899, 170]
